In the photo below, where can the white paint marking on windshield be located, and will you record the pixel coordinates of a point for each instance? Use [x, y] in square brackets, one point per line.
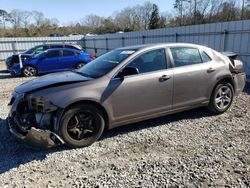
[20, 61]
[128, 52]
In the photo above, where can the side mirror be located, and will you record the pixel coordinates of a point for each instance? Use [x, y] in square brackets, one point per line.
[128, 71]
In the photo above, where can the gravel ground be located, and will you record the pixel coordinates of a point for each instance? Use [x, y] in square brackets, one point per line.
[189, 149]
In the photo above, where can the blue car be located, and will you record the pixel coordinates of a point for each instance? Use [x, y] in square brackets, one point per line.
[52, 60]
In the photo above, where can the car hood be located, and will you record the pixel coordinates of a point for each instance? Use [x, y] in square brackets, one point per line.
[22, 55]
[51, 80]
[27, 55]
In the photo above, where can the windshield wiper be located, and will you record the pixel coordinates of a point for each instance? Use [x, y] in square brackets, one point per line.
[82, 74]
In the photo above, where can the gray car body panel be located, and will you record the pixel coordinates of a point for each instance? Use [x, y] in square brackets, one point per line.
[139, 97]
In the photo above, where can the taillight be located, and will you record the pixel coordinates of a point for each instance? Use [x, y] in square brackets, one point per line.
[91, 56]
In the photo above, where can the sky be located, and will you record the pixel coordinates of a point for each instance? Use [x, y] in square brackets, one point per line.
[67, 11]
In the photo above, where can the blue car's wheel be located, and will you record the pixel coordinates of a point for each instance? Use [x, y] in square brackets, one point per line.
[79, 65]
[29, 71]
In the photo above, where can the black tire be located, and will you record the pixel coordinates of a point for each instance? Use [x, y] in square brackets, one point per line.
[28, 71]
[222, 98]
[77, 129]
[80, 65]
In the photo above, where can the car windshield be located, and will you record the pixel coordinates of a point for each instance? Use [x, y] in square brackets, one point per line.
[30, 51]
[39, 54]
[105, 63]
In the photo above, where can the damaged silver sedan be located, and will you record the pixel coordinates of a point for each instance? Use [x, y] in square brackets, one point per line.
[124, 86]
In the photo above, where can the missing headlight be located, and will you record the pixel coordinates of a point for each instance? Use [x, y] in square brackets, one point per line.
[40, 104]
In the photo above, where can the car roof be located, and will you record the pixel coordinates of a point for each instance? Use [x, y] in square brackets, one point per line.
[59, 49]
[156, 45]
[59, 44]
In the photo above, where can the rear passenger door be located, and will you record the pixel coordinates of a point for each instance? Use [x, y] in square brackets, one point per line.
[68, 60]
[192, 71]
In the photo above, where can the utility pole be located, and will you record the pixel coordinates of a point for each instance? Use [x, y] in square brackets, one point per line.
[242, 9]
[195, 7]
[181, 8]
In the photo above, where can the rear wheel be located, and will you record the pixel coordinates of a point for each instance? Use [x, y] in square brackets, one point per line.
[79, 65]
[81, 125]
[29, 71]
[222, 98]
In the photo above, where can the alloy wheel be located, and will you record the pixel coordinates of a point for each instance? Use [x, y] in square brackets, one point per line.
[81, 126]
[223, 97]
[29, 71]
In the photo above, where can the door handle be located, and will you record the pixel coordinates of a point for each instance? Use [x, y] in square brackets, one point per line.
[210, 70]
[164, 78]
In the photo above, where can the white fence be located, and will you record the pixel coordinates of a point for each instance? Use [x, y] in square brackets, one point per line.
[10, 46]
[226, 36]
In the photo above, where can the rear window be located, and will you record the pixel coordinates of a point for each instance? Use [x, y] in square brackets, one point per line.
[72, 47]
[184, 56]
[56, 46]
[205, 57]
[53, 54]
[68, 53]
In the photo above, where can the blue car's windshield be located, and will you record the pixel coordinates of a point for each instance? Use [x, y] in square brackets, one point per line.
[30, 51]
[105, 63]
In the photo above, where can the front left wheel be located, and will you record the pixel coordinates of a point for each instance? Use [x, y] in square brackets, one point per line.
[81, 125]
[29, 71]
[80, 65]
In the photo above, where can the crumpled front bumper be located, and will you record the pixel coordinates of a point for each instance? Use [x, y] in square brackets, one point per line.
[35, 138]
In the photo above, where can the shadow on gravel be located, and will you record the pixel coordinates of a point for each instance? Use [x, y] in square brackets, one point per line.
[6, 76]
[191, 114]
[247, 88]
[14, 154]
[4, 71]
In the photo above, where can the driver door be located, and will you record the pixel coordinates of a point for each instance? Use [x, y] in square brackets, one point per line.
[50, 62]
[145, 94]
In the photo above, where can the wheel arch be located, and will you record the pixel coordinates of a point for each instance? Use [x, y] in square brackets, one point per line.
[79, 61]
[29, 65]
[227, 79]
[98, 105]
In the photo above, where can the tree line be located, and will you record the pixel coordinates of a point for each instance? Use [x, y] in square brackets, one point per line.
[19, 23]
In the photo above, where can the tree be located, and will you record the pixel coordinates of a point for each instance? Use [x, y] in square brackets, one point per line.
[4, 17]
[93, 21]
[228, 12]
[155, 18]
[26, 16]
[38, 18]
[145, 12]
[180, 5]
[128, 19]
[16, 18]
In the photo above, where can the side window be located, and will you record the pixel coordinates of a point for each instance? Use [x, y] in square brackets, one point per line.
[38, 50]
[184, 56]
[56, 46]
[71, 47]
[68, 53]
[205, 57]
[150, 61]
[53, 54]
[46, 47]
